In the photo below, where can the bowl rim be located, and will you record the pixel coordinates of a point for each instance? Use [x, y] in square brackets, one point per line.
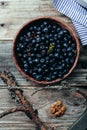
[72, 33]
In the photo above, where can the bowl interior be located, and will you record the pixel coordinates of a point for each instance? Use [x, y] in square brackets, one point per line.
[37, 22]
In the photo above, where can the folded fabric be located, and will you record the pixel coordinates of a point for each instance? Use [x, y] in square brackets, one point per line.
[77, 14]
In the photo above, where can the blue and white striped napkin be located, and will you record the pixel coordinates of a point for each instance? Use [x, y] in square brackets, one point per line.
[77, 14]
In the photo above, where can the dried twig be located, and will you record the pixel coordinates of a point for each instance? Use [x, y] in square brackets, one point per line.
[12, 110]
[9, 79]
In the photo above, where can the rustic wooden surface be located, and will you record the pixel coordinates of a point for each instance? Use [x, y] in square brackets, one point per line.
[13, 14]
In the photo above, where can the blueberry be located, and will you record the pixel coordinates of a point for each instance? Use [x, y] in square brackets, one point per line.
[18, 49]
[43, 52]
[65, 31]
[26, 71]
[38, 39]
[31, 28]
[50, 35]
[65, 44]
[49, 26]
[32, 55]
[65, 39]
[35, 49]
[63, 65]
[46, 70]
[33, 41]
[38, 55]
[65, 54]
[58, 29]
[56, 55]
[52, 60]
[20, 55]
[28, 34]
[60, 75]
[53, 77]
[21, 46]
[38, 77]
[39, 32]
[54, 27]
[65, 71]
[48, 78]
[31, 62]
[58, 44]
[51, 68]
[73, 45]
[36, 60]
[55, 73]
[67, 60]
[51, 40]
[63, 50]
[35, 69]
[59, 36]
[35, 28]
[53, 43]
[29, 58]
[70, 54]
[38, 28]
[25, 55]
[42, 47]
[45, 30]
[58, 50]
[61, 33]
[59, 67]
[30, 71]
[44, 66]
[47, 58]
[69, 49]
[51, 55]
[71, 60]
[37, 45]
[42, 38]
[47, 36]
[39, 70]
[42, 60]
[45, 23]
[34, 74]
[25, 65]
[61, 57]
[21, 38]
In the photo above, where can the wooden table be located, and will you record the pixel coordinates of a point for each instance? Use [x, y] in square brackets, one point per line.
[13, 14]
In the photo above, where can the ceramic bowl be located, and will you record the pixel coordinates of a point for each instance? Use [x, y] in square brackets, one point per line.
[18, 58]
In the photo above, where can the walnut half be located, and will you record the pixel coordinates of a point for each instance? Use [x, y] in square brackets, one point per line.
[58, 109]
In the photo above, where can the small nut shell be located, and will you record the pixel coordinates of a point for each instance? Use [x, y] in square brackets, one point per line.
[57, 109]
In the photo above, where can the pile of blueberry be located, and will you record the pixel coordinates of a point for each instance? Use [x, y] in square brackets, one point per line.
[44, 50]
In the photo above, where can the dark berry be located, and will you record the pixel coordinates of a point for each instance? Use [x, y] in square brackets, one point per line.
[38, 77]
[42, 60]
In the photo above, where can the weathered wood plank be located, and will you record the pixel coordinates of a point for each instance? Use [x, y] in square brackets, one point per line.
[15, 13]
[41, 101]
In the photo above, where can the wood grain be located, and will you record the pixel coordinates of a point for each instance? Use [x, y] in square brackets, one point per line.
[13, 14]
[42, 101]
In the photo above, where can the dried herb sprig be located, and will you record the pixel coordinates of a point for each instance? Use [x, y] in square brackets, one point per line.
[26, 107]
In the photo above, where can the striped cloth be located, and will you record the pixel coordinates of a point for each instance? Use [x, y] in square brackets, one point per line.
[77, 14]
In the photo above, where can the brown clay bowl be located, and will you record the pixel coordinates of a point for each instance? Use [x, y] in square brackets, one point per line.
[23, 31]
